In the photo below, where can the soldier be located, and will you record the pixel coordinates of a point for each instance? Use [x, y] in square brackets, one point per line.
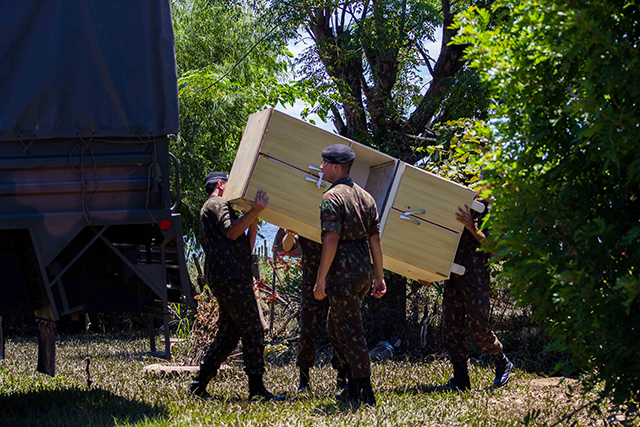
[467, 296]
[350, 233]
[228, 274]
[311, 309]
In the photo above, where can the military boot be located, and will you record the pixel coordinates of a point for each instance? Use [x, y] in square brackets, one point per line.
[460, 380]
[198, 386]
[199, 390]
[341, 381]
[365, 394]
[258, 391]
[504, 368]
[304, 379]
[349, 392]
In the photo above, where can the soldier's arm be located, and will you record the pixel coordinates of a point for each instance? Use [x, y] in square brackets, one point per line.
[329, 247]
[379, 285]
[253, 232]
[289, 241]
[241, 224]
[465, 217]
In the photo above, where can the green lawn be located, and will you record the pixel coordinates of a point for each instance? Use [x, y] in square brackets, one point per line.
[122, 395]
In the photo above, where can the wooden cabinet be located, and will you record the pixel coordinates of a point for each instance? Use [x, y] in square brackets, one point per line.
[420, 233]
[281, 155]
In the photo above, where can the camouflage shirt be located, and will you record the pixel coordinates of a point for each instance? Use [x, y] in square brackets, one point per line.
[311, 254]
[350, 211]
[226, 259]
[468, 253]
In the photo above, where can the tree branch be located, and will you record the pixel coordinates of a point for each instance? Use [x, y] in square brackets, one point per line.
[337, 120]
[426, 57]
[450, 61]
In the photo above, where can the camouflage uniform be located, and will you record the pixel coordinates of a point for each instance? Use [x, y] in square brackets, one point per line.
[311, 309]
[466, 297]
[351, 212]
[228, 274]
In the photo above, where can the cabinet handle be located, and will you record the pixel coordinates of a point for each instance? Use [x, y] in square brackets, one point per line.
[319, 182]
[407, 215]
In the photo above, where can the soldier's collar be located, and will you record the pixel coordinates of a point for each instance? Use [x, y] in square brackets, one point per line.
[346, 180]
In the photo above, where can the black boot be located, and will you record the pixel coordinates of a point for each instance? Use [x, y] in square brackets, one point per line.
[304, 379]
[504, 368]
[198, 386]
[460, 380]
[341, 382]
[350, 392]
[365, 395]
[258, 391]
[199, 390]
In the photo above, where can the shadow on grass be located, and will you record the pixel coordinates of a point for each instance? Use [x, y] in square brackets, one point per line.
[74, 407]
[337, 408]
[118, 355]
[432, 389]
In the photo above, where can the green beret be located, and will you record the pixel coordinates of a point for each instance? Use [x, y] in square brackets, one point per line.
[338, 154]
[212, 179]
[216, 176]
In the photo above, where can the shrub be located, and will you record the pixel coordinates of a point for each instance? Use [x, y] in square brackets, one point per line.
[566, 215]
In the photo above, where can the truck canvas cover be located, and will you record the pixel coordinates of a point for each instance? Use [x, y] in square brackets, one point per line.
[86, 67]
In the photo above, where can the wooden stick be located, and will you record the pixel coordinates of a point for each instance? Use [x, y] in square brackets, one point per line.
[286, 323]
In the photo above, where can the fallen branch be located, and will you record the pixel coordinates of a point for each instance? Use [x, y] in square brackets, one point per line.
[286, 323]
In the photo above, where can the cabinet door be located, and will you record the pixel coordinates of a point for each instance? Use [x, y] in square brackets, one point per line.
[438, 197]
[418, 249]
[294, 197]
[297, 143]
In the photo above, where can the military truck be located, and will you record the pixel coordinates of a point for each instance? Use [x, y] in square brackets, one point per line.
[88, 99]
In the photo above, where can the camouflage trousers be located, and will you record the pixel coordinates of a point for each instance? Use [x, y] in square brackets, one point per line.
[238, 317]
[466, 302]
[311, 311]
[346, 331]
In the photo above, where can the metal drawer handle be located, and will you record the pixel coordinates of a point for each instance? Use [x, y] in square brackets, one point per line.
[319, 182]
[407, 215]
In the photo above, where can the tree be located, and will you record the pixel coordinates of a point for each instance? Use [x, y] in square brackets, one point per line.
[364, 68]
[566, 216]
[229, 66]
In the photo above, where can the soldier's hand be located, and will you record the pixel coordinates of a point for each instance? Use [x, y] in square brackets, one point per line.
[464, 216]
[319, 289]
[261, 202]
[379, 288]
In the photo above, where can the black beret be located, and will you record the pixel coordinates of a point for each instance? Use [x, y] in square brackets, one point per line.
[216, 176]
[338, 154]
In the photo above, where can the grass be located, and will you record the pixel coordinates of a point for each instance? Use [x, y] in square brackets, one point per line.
[121, 395]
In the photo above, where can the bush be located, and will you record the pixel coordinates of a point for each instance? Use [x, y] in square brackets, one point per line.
[567, 202]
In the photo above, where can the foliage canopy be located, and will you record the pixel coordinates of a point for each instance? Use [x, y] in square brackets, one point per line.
[566, 216]
[229, 66]
[365, 66]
